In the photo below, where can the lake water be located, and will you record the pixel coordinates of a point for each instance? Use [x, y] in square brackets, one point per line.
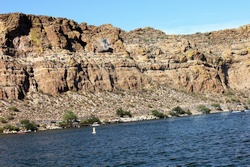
[207, 140]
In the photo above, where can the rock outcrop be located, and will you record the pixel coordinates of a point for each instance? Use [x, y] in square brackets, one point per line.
[56, 55]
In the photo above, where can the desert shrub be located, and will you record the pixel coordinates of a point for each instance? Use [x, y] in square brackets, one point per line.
[178, 110]
[150, 106]
[228, 93]
[10, 117]
[14, 108]
[128, 113]
[10, 127]
[157, 114]
[188, 112]
[191, 54]
[29, 125]
[35, 36]
[234, 99]
[90, 120]
[40, 91]
[63, 124]
[216, 106]
[121, 113]
[3, 120]
[69, 117]
[203, 109]
[1, 129]
[173, 114]
[248, 101]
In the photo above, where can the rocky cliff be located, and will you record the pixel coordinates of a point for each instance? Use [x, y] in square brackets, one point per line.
[40, 54]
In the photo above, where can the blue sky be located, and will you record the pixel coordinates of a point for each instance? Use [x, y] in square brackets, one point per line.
[171, 16]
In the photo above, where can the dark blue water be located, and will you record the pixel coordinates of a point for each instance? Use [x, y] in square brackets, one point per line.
[206, 140]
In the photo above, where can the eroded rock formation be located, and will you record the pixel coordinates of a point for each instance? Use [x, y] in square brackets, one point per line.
[55, 55]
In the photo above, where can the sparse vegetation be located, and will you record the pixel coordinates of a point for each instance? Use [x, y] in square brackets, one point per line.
[63, 124]
[216, 106]
[1, 130]
[68, 118]
[10, 117]
[203, 109]
[35, 37]
[191, 54]
[177, 111]
[150, 106]
[40, 91]
[173, 114]
[10, 127]
[234, 99]
[248, 101]
[228, 93]
[188, 112]
[3, 120]
[13, 108]
[90, 120]
[121, 113]
[29, 125]
[158, 114]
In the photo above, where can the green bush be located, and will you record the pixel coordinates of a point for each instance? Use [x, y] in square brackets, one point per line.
[234, 99]
[90, 120]
[203, 109]
[157, 114]
[178, 110]
[228, 93]
[11, 127]
[29, 125]
[150, 106]
[216, 106]
[1, 129]
[69, 117]
[14, 108]
[3, 120]
[63, 124]
[128, 113]
[121, 113]
[10, 117]
[173, 114]
[24, 121]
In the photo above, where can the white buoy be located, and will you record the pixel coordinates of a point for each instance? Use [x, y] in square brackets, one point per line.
[93, 132]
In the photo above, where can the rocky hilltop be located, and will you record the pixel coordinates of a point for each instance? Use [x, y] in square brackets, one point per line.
[46, 60]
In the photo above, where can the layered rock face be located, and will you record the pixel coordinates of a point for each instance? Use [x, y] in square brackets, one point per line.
[55, 55]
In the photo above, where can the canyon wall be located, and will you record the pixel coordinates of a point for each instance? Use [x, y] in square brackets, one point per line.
[56, 55]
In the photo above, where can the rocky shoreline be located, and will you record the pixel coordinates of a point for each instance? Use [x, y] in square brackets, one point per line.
[55, 125]
[140, 105]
